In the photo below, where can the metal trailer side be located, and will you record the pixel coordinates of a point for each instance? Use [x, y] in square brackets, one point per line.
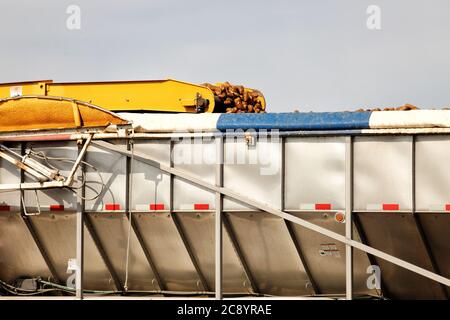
[393, 190]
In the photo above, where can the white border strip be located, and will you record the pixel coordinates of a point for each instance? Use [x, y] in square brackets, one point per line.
[410, 119]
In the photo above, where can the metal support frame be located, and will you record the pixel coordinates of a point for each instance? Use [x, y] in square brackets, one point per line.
[348, 217]
[135, 227]
[178, 225]
[79, 272]
[218, 220]
[237, 249]
[29, 224]
[362, 236]
[57, 182]
[256, 204]
[301, 256]
[148, 255]
[101, 250]
[418, 224]
[289, 226]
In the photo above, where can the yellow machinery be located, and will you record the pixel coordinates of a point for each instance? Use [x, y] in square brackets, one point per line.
[139, 96]
[41, 112]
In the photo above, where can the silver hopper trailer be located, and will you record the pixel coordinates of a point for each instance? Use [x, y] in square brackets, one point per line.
[336, 205]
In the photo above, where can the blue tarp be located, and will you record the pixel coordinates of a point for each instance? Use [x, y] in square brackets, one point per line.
[295, 121]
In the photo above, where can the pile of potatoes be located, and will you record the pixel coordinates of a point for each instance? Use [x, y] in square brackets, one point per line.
[406, 107]
[236, 99]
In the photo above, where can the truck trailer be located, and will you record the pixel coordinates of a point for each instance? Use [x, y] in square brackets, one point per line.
[112, 204]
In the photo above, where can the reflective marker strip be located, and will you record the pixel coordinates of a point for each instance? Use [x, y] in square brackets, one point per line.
[195, 206]
[56, 207]
[315, 206]
[201, 206]
[4, 207]
[112, 206]
[374, 207]
[157, 206]
[439, 207]
[150, 207]
[323, 206]
[391, 206]
[142, 207]
[307, 206]
[383, 206]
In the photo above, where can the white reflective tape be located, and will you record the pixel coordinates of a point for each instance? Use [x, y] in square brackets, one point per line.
[374, 206]
[437, 207]
[142, 207]
[307, 206]
[186, 206]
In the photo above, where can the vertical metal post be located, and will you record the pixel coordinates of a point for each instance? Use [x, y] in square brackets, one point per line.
[102, 252]
[237, 249]
[283, 173]
[348, 217]
[29, 224]
[80, 237]
[289, 226]
[180, 229]
[417, 222]
[372, 260]
[218, 220]
[134, 225]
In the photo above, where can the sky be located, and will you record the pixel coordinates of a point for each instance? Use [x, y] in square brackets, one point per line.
[303, 55]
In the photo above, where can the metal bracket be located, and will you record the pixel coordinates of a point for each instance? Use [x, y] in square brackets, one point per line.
[24, 206]
[47, 178]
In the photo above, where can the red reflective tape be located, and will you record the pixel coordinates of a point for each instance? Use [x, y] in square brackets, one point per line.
[5, 208]
[201, 206]
[157, 206]
[322, 206]
[56, 207]
[391, 206]
[447, 207]
[112, 206]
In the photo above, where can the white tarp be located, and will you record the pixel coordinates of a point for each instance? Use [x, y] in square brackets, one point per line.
[410, 119]
[165, 122]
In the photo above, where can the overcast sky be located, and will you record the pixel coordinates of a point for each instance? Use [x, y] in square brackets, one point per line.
[307, 55]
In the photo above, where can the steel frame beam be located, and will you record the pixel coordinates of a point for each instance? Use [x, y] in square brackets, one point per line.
[229, 193]
[288, 225]
[348, 217]
[362, 235]
[418, 224]
[237, 249]
[31, 229]
[178, 225]
[79, 272]
[134, 226]
[101, 250]
[218, 221]
[301, 256]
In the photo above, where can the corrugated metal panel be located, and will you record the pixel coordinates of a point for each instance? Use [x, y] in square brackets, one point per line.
[382, 172]
[315, 172]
